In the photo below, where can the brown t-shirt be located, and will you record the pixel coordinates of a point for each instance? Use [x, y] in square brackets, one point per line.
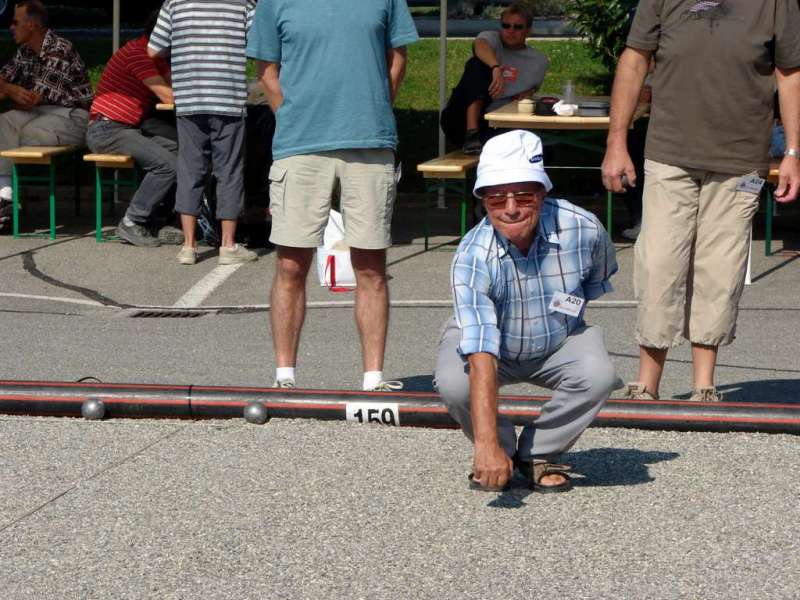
[714, 78]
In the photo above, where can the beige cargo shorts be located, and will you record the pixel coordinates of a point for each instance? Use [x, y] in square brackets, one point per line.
[691, 255]
[302, 189]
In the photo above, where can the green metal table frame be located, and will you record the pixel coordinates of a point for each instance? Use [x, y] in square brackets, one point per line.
[18, 178]
[459, 186]
[114, 183]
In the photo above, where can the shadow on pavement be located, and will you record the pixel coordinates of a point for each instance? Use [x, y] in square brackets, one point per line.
[768, 391]
[597, 467]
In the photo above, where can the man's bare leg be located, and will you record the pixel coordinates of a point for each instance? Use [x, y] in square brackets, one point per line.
[288, 301]
[474, 114]
[372, 305]
[704, 360]
[228, 232]
[651, 366]
[189, 226]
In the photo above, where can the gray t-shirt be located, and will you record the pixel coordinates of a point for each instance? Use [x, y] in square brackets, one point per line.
[523, 69]
[714, 78]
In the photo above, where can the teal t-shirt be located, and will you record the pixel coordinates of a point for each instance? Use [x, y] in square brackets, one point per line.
[333, 75]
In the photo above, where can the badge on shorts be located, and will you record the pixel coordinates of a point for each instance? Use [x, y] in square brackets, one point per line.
[566, 304]
[751, 184]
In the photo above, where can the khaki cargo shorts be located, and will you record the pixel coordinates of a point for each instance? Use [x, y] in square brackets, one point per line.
[691, 256]
[302, 188]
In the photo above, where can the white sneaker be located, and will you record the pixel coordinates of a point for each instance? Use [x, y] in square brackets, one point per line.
[235, 255]
[284, 383]
[632, 232]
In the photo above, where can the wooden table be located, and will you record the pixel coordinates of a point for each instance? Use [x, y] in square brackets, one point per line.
[576, 132]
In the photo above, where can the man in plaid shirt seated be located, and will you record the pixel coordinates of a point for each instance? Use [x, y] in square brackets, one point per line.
[47, 82]
[521, 279]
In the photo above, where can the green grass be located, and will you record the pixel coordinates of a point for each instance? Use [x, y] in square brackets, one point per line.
[417, 106]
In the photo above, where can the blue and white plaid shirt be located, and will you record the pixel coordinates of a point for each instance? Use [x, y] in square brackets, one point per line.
[501, 297]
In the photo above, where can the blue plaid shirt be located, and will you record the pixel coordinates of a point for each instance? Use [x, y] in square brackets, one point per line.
[501, 297]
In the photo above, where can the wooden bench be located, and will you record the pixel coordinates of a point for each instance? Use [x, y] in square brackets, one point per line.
[451, 166]
[44, 156]
[772, 180]
[109, 161]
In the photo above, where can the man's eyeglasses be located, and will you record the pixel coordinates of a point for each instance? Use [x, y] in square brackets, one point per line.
[514, 26]
[522, 199]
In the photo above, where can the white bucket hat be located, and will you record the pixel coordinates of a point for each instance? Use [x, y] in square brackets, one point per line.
[512, 157]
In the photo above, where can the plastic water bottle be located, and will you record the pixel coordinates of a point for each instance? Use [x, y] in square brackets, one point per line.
[569, 92]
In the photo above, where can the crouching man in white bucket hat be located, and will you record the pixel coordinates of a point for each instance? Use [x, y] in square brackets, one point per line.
[521, 279]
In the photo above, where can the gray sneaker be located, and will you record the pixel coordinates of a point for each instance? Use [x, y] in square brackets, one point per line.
[284, 383]
[632, 232]
[706, 394]
[171, 236]
[187, 256]
[637, 391]
[237, 254]
[136, 234]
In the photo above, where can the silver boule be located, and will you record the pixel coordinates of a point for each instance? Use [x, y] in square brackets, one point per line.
[93, 409]
[255, 413]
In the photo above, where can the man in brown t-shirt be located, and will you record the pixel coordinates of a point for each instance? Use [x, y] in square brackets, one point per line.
[717, 65]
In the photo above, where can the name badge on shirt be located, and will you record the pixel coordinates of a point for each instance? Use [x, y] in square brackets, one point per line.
[751, 184]
[510, 73]
[566, 304]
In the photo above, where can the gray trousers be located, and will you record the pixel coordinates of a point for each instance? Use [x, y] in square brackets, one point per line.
[211, 144]
[154, 148]
[41, 126]
[580, 373]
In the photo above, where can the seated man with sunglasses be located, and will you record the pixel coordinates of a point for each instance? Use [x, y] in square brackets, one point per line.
[503, 68]
[521, 279]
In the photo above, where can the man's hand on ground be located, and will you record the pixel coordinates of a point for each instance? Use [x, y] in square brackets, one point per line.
[498, 83]
[616, 164]
[788, 180]
[491, 466]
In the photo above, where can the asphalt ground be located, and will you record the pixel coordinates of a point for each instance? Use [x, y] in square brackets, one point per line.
[301, 509]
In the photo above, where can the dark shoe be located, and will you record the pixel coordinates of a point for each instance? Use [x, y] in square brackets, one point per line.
[472, 142]
[136, 234]
[171, 236]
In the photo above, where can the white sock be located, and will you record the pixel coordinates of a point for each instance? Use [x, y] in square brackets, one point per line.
[6, 193]
[284, 373]
[127, 221]
[371, 379]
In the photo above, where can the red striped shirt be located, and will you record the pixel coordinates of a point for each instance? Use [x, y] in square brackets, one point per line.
[121, 95]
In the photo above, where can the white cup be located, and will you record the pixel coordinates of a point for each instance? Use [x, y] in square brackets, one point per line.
[525, 106]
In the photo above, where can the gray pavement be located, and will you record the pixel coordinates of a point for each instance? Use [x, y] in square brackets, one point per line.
[301, 509]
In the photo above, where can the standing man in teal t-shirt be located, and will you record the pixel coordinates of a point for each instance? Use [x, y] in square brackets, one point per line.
[331, 71]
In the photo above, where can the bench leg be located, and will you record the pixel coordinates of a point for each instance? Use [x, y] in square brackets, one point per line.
[426, 224]
[609, 212]
[98, 204]
[52, 187]
[15, 199]
[76, 181]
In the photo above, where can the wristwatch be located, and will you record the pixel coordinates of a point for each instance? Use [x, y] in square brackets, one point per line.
[793, 152]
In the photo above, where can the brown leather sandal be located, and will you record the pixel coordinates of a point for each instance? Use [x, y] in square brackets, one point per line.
[539, 469]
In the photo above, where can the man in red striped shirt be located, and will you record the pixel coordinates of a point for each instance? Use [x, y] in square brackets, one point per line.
[120, 122]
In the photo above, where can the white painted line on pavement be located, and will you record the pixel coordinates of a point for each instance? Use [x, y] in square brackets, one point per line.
[206, 286]
[53, 299]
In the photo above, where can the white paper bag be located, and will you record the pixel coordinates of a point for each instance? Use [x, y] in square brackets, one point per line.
[334, 269]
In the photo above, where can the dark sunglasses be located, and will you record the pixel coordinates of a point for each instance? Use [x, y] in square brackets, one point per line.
[523, 199]
[514, 26]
